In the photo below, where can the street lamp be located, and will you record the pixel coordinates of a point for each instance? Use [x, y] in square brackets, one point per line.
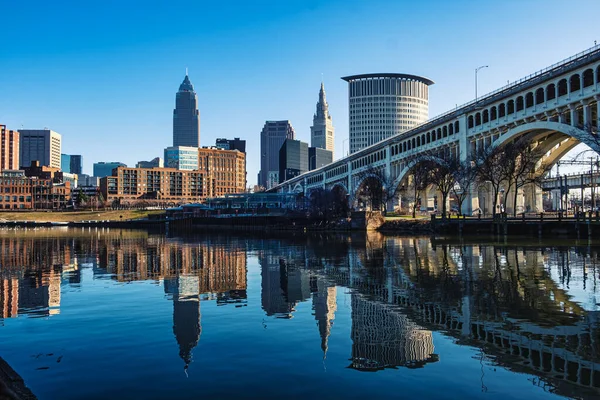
[344, 147]
[477, 70]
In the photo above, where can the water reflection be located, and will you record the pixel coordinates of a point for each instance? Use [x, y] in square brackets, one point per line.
[527, 307]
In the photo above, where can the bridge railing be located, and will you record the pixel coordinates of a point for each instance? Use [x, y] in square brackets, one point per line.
[549, 216]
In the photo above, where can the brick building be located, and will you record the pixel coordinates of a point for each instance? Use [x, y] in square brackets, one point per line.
[9, 153]
[226, 170]
[18, 191]
[155, 185]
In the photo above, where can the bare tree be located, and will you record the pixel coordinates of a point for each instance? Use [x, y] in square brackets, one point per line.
[441, 175]
[421, 177]
[380, 189]
[490, 170]
[464, 179]
[530, 168]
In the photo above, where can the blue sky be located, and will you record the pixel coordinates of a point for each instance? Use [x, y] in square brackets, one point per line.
[104, 74]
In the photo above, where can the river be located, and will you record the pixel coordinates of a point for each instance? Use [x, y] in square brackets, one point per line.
[98, 313]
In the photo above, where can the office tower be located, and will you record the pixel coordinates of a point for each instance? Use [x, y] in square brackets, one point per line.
[293, 159]
[384, 105]
[186, 117]
[9, 157]
[41, 145]
[181, 157]
[156, 162]
[65, 163]
[102, 169]
[318, 158]
[322, 131]
[76, 164]
[273, 134]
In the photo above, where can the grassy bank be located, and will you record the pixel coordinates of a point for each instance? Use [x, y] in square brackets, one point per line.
[74, 216]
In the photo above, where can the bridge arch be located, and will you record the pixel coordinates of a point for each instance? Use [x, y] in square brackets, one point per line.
[548, 126]
[409, 167]
[298, 188]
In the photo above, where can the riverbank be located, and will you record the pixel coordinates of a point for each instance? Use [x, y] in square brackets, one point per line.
[12, 386]
[76, 216]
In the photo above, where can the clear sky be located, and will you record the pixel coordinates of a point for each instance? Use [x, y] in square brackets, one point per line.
[104, 74]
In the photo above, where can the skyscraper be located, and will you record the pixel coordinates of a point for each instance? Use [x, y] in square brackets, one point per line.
[272, 137]
[322, 131]
[383, 105]
[41, 145]
[186, 117]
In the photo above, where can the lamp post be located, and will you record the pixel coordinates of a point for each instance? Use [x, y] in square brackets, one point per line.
[344, 147]
[476, 71]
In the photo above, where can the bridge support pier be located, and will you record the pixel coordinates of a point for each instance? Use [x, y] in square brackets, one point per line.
[471, 202]
[533, 198]
[556, 199]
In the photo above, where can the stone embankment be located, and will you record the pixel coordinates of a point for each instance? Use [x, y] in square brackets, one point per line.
[406, 226]
[12, 386]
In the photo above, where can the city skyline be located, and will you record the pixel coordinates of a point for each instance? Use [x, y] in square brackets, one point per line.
[57, 64]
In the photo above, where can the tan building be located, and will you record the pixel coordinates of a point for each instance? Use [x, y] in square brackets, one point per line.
[9, 154]
[226, 170]
[154, 185]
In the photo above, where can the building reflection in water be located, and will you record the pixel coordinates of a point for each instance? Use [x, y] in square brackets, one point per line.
[187, 327]
[324, 306]
[530, 309]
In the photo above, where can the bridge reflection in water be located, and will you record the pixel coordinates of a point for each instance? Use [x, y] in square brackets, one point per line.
[529, 308]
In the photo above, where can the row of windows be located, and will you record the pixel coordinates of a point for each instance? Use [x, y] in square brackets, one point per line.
[388, 86]
[539, 96]
[429, 137]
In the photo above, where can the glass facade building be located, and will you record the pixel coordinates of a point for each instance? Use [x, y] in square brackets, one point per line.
[293, 159]
[181, 157]
[102, 169]
[65, 163]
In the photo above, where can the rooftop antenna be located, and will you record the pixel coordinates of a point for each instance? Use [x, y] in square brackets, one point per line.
[186, 71]
[321, 77]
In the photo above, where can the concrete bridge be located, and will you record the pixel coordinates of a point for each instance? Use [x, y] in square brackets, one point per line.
[555, 108]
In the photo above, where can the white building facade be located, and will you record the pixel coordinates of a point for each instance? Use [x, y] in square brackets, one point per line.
[384, 105]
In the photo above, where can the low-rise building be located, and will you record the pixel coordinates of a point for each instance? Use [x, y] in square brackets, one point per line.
[18, 191]
[155, 185]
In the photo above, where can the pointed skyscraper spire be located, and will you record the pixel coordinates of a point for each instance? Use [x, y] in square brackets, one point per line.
[186, 117]
[322, 131]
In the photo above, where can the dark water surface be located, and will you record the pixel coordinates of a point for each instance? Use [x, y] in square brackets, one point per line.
[109, 314]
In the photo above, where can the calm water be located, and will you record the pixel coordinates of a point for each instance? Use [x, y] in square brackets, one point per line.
[126, 314]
